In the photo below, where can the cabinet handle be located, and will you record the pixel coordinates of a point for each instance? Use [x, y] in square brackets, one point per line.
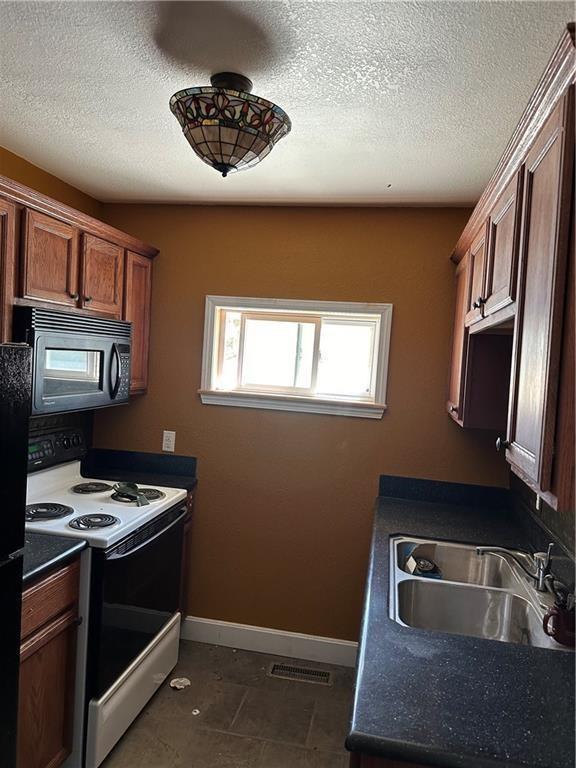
[73, 295]
[502, 443]
[87, 299]
[479, 302]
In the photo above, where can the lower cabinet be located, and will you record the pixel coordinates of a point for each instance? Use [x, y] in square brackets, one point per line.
[47, 669]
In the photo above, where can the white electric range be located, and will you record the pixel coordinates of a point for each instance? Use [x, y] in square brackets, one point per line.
[130, 593]
[58, 505]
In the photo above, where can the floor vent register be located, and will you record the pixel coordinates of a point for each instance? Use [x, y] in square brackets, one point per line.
[301, 674]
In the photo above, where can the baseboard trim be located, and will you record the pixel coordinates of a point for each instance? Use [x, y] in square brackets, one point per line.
[263, 640]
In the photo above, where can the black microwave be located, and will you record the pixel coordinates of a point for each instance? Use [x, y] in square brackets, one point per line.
[78, 362]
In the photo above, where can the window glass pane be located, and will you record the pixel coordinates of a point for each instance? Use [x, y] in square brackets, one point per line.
[228, 378]
[277, 353]
[346, 353]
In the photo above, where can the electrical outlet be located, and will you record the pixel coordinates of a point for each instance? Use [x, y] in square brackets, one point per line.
[168, 440]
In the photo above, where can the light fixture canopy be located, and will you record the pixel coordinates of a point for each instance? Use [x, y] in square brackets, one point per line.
[228, 127]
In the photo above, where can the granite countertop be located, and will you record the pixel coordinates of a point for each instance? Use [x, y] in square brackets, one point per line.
[44, 552]
[450, 700]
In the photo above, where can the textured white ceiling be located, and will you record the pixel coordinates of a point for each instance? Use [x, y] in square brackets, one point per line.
[391, 102]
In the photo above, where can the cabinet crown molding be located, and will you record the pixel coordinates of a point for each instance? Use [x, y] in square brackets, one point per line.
[557, 77]
[22, 195]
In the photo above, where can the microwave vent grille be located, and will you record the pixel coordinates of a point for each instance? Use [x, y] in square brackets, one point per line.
[38, 319]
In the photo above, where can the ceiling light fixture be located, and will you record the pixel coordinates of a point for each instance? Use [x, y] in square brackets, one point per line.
[227, 126]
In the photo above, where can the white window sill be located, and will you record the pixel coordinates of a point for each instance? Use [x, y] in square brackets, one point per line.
[290, 403]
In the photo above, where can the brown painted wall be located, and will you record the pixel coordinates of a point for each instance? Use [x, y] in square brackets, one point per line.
[285, 501]
[21, 170]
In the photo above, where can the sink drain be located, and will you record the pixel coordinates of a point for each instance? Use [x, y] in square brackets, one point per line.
[422, 566]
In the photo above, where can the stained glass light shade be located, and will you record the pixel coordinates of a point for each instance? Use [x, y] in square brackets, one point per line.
[231, 130]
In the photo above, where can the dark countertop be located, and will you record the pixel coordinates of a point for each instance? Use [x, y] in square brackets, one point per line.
[43, 552]
[450, 700]
[169, 470]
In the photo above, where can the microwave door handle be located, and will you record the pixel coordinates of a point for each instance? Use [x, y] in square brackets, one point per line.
[115, 385]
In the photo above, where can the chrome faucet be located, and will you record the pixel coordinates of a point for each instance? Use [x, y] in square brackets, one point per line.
[541, 563]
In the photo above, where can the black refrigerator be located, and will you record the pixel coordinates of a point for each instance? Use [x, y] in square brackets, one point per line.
[15, 388]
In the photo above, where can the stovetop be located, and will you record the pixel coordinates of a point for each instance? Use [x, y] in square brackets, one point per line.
[55, 486]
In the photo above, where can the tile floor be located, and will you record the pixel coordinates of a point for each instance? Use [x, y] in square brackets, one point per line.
[246, 719]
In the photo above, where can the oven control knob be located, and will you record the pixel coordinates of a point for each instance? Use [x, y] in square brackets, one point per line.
[66, 442]
[75, 440]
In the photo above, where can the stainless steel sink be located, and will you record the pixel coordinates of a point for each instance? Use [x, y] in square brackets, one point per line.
[447, 587]
[460, 563]
[461, 610]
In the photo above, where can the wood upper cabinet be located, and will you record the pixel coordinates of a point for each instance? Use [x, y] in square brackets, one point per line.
[520, 345]
[477, 264]
[563, 470]
[47, 669]
[102, 276]
[502, 251]
[459, 341]
[7, 263]
[137, 299]
[50, 260]
[54, 256]
[480, 363]
[543, 260]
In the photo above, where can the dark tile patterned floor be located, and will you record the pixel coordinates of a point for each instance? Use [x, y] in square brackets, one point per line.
[245, 718]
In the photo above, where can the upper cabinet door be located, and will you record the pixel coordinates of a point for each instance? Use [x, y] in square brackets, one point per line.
[543, 258]
[7, 264]
[477, 257]
[138, 294]
[102, 276]
[503, 242]
[50, 260]
[460, 332]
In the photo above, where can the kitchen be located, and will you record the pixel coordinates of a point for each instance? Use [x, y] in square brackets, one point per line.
[422, 302]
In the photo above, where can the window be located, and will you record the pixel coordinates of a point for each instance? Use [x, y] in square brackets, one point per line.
[320, 357]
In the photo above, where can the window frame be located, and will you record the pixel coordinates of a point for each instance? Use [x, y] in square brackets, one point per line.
[273, 399]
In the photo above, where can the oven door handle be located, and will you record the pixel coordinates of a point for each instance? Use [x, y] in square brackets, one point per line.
[122, 555]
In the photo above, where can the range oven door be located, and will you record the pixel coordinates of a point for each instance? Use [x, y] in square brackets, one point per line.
[73, 373]
[135, 593]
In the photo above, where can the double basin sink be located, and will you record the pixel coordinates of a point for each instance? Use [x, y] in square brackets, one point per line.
[449, 587]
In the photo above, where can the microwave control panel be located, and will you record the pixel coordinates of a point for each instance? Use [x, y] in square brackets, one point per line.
[55, 448]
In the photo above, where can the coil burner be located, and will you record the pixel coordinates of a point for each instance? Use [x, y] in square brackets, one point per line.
[45, 511]
[91, 487]
[88, 522]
